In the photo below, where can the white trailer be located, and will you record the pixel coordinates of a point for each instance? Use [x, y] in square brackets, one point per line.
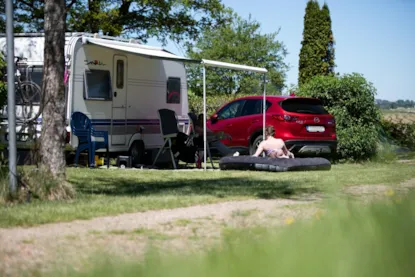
[119, 84]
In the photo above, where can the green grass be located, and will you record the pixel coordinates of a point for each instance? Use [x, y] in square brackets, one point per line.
[182, 222]
[243, 213]
[102, 192]
[407, 156]
[28, 241]
[150, 234]
[118, 232]
[351, 239]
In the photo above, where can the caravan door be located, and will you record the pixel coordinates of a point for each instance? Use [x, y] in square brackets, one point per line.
[119, 84]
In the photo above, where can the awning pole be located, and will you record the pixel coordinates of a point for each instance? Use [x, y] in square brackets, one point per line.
[204, 116]
[11, 105]
[264, 108]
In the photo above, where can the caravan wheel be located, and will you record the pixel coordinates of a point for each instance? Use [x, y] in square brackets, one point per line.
[137, 151]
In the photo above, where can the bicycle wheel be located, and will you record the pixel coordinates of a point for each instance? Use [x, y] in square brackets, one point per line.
[29, 95]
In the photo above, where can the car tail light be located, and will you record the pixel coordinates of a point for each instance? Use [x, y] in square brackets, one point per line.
[68, 137]
[284, 117]
[331, 121]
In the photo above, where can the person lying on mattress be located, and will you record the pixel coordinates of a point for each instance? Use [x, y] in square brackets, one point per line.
[273, 147]
[214, 138]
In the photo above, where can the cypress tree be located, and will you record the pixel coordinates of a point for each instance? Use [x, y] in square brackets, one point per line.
[328, 59]
[309, 61]
[317, 51]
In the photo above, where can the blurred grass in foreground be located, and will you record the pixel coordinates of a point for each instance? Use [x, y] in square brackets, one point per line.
[350, 239]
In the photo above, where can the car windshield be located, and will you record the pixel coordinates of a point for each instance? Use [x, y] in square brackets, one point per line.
[302, 105]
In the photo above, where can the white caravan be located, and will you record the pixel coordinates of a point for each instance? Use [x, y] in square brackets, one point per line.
[119, 84]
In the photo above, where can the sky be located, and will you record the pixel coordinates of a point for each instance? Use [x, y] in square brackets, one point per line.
[375, 38]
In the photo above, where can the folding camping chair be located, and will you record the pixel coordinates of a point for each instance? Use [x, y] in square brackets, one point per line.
[169, 130]
[193, 135]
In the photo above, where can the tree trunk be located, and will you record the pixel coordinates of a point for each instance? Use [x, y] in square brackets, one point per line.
[52, 149]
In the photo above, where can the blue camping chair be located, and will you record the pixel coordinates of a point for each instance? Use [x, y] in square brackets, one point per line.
[82, 128]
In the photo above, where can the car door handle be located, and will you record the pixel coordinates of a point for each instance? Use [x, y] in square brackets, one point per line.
[229, 125]
[255, 121]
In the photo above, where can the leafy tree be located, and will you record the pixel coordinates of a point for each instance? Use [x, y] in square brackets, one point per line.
[239, 41]
[351, 100]
[53, 91]
[317, 51]
[385, 104]
[23, 18]
[165, 19]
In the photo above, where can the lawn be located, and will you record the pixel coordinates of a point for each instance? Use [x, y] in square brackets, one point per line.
[351, 239]
[102, 192]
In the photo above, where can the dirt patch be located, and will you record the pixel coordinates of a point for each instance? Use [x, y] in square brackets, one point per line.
[366, 190]
[410, 184]
[129, 235]
[407, 161]
[373, 192]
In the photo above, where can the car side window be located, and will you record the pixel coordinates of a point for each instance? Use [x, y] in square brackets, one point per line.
[253, 106]
[267, 103]
[230, 111]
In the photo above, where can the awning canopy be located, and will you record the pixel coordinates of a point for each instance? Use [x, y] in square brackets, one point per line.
[138, 49]
[234, 66]
[160, 53]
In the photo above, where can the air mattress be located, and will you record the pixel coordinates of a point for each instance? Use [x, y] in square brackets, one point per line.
[273, 164]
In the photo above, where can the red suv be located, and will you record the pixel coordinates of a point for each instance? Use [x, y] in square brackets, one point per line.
[303, 123]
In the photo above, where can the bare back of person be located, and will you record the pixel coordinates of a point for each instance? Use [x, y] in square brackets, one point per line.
[273, 147]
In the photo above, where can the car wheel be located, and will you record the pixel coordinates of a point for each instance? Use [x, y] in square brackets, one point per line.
[255, 144]
[137, 151]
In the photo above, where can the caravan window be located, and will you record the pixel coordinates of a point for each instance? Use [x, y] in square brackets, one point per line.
[35, 74]
[97, 84]
[173, 90]
[120, 74]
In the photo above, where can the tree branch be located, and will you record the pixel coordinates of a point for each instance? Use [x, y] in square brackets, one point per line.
[31, 5]
[69, 6]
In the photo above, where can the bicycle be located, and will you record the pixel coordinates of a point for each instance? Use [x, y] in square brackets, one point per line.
[27, 94]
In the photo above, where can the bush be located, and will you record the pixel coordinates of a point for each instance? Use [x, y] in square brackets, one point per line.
[357, 142]
[351, 100]
[401, 133]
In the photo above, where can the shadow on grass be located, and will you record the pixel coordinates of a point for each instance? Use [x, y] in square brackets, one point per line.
[219, 187]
